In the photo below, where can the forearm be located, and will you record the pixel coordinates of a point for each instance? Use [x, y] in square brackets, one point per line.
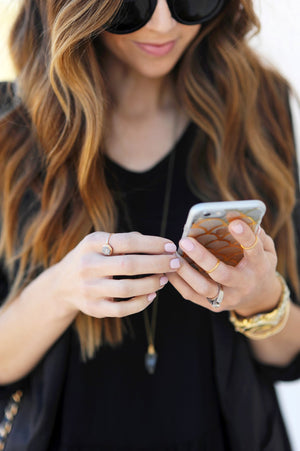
[30, 325]
[280, 349]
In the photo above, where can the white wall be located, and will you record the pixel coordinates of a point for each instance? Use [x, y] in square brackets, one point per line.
[279, 42]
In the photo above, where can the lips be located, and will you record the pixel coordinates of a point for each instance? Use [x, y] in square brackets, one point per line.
[156, 49]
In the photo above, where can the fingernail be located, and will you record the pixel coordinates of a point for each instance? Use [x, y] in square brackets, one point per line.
[170, 247]
[175, 263]
[163, 281]
[187, 244]
[237, 228]
[151, 297]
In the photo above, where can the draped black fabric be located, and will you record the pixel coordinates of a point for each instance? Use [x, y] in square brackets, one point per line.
[111, 402]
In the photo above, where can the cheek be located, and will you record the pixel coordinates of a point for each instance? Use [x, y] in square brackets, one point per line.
[112, 42]
[190, 32]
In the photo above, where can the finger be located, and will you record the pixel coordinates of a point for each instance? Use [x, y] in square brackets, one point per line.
[251, 243]
[125, 288]
[111, 309]
[189, 294]
[129, 243]
[216, 269]
[202, 285]
[96, 265]
[268, 243]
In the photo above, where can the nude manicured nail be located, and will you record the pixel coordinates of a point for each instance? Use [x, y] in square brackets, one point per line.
[175, 263]
[151, 297]
[170, 247]
[237, 228]
[163, 281]
[186, 244]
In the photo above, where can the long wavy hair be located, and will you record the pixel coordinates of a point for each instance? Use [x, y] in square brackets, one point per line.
[51, 141]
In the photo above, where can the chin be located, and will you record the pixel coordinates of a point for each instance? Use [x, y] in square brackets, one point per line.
[150, 71]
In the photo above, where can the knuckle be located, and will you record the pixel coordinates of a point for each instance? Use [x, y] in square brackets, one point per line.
[90, 238]
[133, 238]
[225, 276]
[135, 234]
[256, 252]
[275, 261]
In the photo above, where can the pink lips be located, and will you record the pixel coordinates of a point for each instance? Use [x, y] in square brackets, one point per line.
[156, 49]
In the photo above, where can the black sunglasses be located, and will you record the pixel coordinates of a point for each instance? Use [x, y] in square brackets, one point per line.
[134, 14]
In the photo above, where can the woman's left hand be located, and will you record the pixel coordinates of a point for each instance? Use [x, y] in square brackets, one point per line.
[249, 288]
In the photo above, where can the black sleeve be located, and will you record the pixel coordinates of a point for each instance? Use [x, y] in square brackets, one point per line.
[7, 102]
[291, 371]
[5, 391]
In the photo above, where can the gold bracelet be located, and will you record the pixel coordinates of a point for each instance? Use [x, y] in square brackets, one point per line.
[264, 325]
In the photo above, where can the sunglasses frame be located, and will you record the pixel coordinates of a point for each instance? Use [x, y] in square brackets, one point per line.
[152, 4]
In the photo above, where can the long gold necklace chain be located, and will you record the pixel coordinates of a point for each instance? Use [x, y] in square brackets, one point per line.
[151, 356]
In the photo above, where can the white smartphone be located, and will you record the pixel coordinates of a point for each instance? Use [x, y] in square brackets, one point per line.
[208, 224]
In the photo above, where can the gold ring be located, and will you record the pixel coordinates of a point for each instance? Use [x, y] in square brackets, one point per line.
[107, 249]
[214, 268]
[250, 247]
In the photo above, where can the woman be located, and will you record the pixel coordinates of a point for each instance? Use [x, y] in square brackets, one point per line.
[123, 116]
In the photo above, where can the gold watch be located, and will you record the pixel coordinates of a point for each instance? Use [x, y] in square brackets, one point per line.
[264, 325]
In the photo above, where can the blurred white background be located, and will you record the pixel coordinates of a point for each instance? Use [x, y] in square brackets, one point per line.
[279, 43]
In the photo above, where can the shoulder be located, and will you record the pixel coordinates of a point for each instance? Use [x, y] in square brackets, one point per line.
[8, 96]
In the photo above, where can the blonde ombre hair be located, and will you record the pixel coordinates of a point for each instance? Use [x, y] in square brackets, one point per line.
[51, 142]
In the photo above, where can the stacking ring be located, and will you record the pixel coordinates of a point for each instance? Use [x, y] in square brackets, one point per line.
[250, 247]
[107, 249]
[217, 300]
[214, 268]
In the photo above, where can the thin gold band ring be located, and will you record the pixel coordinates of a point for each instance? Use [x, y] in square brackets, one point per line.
[250, 247]
[214, 268]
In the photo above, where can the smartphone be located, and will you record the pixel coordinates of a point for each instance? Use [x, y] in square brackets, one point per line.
[208, 224]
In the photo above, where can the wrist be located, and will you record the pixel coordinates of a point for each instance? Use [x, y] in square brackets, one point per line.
[47, 289]
[264, 325]
[64, 306]
[269, 302]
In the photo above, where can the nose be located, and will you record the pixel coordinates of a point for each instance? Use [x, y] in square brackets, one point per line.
[161, 20]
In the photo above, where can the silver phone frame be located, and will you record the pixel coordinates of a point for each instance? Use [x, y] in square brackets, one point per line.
[240, 205]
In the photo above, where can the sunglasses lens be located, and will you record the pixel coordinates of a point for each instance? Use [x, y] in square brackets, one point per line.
[196, 11]
[131, 16]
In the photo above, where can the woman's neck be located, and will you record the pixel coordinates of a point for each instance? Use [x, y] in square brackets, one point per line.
[145, 119]
[136, 96]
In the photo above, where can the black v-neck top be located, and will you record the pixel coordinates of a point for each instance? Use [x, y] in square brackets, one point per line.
[111, 402]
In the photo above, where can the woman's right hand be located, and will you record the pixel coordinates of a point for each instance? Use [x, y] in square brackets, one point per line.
[85, 277]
